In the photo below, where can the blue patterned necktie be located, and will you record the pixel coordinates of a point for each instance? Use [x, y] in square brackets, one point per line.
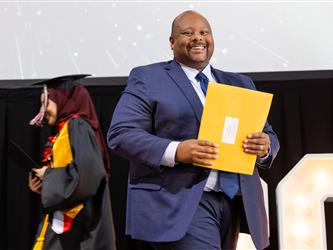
[202, 78]
[228, 182]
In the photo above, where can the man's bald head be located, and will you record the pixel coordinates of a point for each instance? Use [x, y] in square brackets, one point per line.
[191, 40]
[184, 14]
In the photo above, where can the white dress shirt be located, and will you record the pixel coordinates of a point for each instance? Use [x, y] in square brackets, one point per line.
[169, 155]
[168, 158]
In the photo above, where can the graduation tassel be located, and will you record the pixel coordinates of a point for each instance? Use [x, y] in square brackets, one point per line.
[41, 238]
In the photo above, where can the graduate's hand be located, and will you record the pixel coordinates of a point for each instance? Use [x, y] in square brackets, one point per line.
[35, 183]
[39, 172]
[257, 143]
[196, 151]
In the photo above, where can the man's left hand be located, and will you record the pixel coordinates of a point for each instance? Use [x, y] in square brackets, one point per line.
[257, 144]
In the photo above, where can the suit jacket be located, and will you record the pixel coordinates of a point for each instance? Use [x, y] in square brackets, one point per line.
[159, 105]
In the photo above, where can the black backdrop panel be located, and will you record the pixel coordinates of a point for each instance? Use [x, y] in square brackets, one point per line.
[328, 208]
[301, 114]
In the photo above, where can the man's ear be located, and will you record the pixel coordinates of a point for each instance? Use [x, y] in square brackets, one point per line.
[172, 41]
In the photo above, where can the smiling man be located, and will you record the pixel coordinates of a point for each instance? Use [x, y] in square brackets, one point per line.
[192, 40]
[171, 203]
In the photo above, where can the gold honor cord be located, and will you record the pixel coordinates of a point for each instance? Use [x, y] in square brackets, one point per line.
[41, 238]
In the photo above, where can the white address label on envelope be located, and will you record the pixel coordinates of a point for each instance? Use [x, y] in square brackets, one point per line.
[230, 130]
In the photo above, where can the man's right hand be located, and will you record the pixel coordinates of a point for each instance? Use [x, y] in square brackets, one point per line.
[197, 151]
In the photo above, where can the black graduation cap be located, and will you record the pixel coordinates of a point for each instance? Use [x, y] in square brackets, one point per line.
[61, 82]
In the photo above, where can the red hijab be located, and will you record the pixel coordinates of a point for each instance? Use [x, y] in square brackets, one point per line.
[77, 100]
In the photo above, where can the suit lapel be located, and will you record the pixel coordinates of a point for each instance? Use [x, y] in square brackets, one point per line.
[179, 77]
[221, 77]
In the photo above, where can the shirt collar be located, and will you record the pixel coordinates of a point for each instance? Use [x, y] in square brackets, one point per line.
[191, 72]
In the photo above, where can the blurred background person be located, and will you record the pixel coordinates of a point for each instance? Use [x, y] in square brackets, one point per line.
[73, 179]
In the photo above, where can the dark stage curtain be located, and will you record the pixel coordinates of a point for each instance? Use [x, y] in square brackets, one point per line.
[301, 114]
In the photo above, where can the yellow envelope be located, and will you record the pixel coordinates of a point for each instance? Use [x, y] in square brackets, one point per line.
[230, 114]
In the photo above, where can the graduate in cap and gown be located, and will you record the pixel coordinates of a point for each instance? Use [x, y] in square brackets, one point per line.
[73, 179]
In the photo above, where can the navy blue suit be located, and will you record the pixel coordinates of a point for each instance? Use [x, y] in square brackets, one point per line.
[159, 105]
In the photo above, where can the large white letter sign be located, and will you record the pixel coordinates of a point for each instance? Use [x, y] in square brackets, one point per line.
[299, 202]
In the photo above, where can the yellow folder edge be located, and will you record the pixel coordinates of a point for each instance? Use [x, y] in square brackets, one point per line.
[230, 114]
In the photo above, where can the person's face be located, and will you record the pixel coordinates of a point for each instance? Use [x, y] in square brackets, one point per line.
[192, 41]
[50, 110]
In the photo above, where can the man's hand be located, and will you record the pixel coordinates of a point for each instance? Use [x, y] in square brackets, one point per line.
[257, 144]
[196, 151]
